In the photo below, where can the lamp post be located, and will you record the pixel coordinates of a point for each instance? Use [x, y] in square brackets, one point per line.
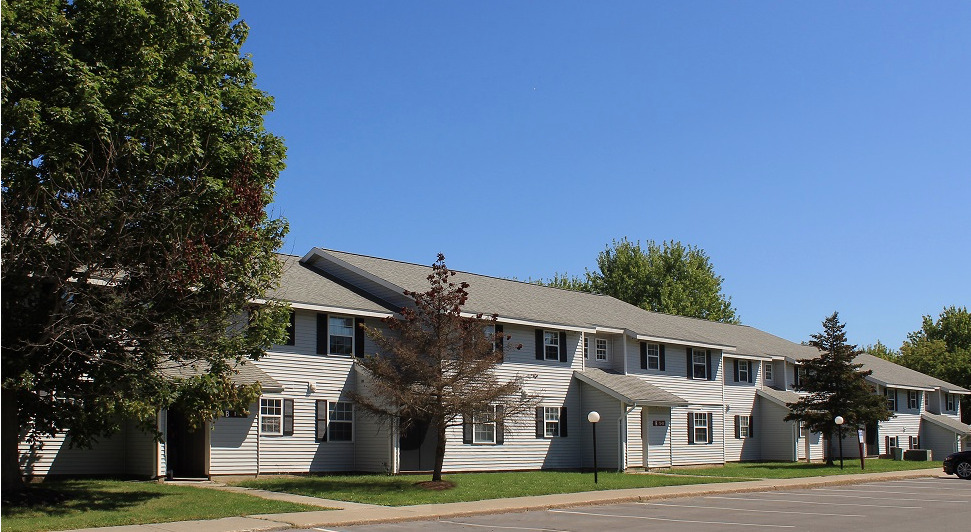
[839, 429]
[593, 417]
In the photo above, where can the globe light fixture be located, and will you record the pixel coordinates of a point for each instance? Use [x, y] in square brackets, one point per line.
[593, 417]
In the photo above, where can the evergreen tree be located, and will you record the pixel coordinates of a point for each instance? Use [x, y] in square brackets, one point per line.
[835, 386]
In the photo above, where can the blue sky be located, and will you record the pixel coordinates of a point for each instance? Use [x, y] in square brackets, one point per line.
[820, 152]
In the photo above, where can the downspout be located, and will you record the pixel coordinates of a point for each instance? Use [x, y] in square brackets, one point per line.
[721, 383]
[622, 436]
[583, 359]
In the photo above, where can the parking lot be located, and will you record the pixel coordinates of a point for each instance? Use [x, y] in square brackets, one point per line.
[915, 505]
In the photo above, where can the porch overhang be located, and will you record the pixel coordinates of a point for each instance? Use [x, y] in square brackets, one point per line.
[628, 389]
[244, 373]
[947, 423]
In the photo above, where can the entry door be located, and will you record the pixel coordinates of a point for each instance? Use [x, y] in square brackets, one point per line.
[185, 448]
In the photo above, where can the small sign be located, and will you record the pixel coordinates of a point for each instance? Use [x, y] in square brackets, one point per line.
[659, 423]
[860, 434]
[233, 413]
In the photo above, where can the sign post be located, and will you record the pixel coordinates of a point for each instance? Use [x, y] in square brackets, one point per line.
[860, 433]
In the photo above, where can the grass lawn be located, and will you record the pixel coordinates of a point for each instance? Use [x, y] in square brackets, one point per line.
[92, 503]
[750, 470]
[402, 490]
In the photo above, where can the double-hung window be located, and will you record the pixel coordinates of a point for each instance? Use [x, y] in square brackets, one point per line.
[700, 428]
[551, 422]
[743, 427]
[601, 349]
[951, 402]
[586, 347]
[891, 394]
[913, 400]
[743, 370]
[340, 425]
[484, 426]
[276, 416]
[551, 345]
[340, 335]
[653, 356]
[699, 364]
[768, 370]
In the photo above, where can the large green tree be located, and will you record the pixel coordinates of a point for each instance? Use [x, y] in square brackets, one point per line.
[439, 366]
[942, 349]
[835, 386]
[668, 277]
[136, 172]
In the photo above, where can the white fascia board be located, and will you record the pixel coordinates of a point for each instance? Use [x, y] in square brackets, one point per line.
[317, 253]
[544, 325]
[900, 386]
[330, 309]
[751, 357]
[609, 330]
[662, 340]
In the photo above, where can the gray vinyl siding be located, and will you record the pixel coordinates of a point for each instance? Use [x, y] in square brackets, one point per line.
[904, 423]
[740, 401]
[658, 438]
[233, 445]
[817, 446]
[141, 453]
[774, 435]
[939, 440]
[635, 441]
[608, 429]
[674, 377]
[552, 383]
[55, 456]
[373, 443]
[685, 453]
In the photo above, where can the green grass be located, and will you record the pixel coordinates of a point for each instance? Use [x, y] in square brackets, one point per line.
[402, 490]
[749, 470]
[93, 503]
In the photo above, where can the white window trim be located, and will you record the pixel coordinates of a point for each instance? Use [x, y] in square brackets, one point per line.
[603, 354]
[549, 420]
[743, 426]
[913, 400]
[891, 395]
[551, 339]
[653, 356]
[695, 364]
[279, 417]
[748, 368]
[586, 346]
[330, 334]
[768, 371]
[477, 422]
[950, 402]
[333, 404]
[703, 416]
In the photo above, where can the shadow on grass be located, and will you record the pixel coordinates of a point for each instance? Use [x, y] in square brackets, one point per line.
[59, 498]
[333, 485]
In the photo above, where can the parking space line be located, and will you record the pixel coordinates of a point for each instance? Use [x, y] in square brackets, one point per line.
[816, 502]
[670, 520]
[883, 498]
[502, 527]
[845, 490]
[934, 484]
[747, 509]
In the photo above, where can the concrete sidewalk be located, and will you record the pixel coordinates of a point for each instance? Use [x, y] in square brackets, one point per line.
[356, 514]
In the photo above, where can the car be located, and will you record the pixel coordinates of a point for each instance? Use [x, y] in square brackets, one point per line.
[958, 464]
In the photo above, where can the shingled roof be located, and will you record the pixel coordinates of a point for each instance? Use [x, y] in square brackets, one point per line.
[628, 388]
[947, 422]
[887, 373]
[303, 284]
[245, 373]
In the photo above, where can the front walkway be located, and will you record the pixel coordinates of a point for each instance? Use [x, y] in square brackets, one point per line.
[356, 513]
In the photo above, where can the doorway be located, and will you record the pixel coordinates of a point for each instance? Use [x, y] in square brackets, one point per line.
[185, 448]
[872, 439]
[417, 446]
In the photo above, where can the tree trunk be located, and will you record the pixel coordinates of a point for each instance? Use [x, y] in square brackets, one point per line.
[12, 479]
[439, 451]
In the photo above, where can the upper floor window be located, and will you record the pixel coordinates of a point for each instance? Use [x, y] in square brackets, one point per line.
[551, 345]
[586, 347]
[951, 401]
[913, 400]
[891, 395]
[653, 356]
[601, 349]
[341, 336]
[743, 371]
[768, 370]
[699, 364]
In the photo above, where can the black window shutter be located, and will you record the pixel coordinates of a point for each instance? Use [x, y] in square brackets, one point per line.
[499, 339]
[735, 365]
[691, 427]
[660, 357]
[886, 443]
[320, 414]
[500, 425]
[288, 417]
[711, 376]
[539, 344]
[540, 422]
[738, 425]
[711, 427]
[643, 355]
[466, 430]
[562, 346]
[563, 419]
[896, 400]
[751, 370]
[691, 367]
[751, 426]
[322, 346]
[358, 337]
[292, 329]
